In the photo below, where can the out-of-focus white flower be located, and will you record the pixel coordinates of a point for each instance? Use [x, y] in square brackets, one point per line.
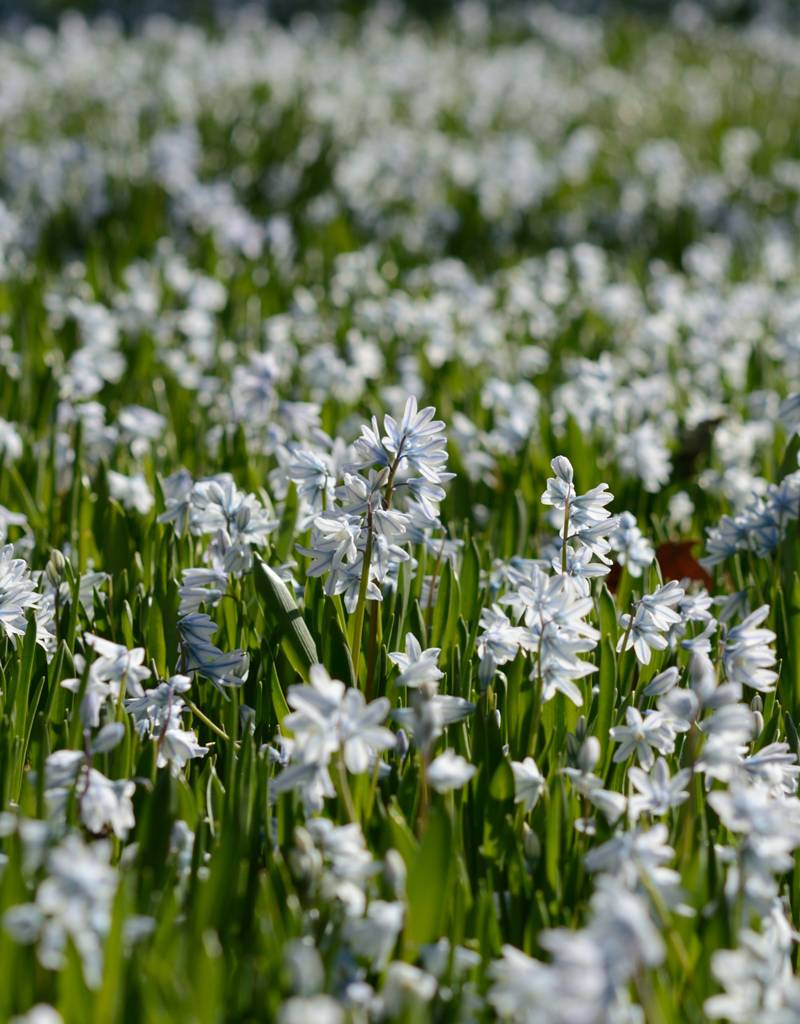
[657, 792]
[528, 783]
[641, 734]
[132, 492]
[417, 667]
[449, 771]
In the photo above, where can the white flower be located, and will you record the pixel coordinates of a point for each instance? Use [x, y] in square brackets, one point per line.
[178, 746]
[132, 492]
[528, 783]
[521, 986]
[10, 442]
[200, 587]
[642, 453]
[315, 475]
[74, 901]
[748, 658]
[200, 654]
[407, 987]
[103, 803]
[776, 765]
[17, 593]
[327, 717]
[417, 667]
[554, 614]
[449, 771]
[177, 490]
[657, 791]
[560, 489]
[653, 618]
[663, 682]
[610, 803]
[41, 1013]
[640, 734]
[116, 664]
[319, 1008]
[374, 935]
[631, 548]
[361, 735]
[498, 643]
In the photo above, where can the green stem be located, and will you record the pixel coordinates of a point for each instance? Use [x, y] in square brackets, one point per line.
[422, 819]
[434, 576]
[207, 721]
[628, 629]
[564, 541]
[347, 796]
[358, 622]
[374, 616]
[538, 690]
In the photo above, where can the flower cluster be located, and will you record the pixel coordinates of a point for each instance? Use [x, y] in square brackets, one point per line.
[358, 543]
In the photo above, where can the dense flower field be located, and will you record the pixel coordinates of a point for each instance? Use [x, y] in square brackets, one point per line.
[400, 594]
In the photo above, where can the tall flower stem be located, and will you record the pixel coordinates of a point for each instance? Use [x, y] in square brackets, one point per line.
[206, 720]
[564, 540]
[358, 622]
[372, 651]
[422, 818]
[538, 690]
[387, 501]
[347, 796]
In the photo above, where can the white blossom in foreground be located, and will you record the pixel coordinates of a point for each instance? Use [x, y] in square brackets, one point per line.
[104, 804]
[654, 616]
[528, 783]
[200, 654]
[73, 901]
[157, 714]
[449, 771]
[329, 720]
[657, 793]
[643, 733]
[748, 658]
[17, 593]
[417, 667]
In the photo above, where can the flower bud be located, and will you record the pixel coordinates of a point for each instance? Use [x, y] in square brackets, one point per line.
[304, 966]
[702, 675]
[530, 843]
[589, 754]
[562, 468]
[55, 567]
[394, 870]
[401, 744]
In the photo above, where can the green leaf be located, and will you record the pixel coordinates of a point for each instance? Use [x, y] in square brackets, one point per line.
[285, 536]
[428, 885]
[336, 650]
[281, 608]
[554, 833]
[606, 680]
[279, 704]
[442, 605]
[470, 582]
[402, 837]
[502, 785]
[155, 644]
[607, 613]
